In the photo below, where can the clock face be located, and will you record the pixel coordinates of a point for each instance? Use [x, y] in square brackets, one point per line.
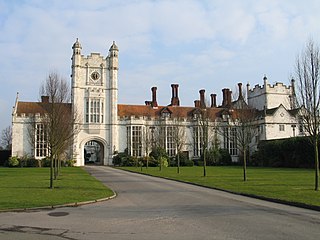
[95, 76]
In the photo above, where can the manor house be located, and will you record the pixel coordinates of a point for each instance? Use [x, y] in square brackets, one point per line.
[107, 127]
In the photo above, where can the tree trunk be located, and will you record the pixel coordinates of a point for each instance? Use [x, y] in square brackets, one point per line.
[316, 158]
[204, 164]
[160, 164]
[178, 164]
[244, 165]
[51, 172]
[55, 168]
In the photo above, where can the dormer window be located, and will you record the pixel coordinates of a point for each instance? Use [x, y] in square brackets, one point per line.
[225, 117]
[165, 115]
[196, 115]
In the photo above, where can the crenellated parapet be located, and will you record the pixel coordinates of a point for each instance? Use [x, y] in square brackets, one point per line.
[269, 96]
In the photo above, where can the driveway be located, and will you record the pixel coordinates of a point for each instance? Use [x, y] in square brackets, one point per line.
[152, 208]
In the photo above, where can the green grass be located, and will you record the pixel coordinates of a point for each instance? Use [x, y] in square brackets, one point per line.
[29, 187]
[292, 185]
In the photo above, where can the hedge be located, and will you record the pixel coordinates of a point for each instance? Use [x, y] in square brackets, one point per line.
[291, 152]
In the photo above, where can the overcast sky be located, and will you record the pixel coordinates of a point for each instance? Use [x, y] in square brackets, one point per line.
[197, 44]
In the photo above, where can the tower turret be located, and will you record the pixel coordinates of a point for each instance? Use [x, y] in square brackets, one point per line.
[77, 48]
[113, 98]
[113, 55]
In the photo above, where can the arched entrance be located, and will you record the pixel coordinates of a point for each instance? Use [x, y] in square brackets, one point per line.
[93, 152]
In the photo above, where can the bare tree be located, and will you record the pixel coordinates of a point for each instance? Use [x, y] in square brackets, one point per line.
[57, 122]
[204, 133]
[179, 139]
[241, 127]
[245, 130]
[307, 74]
[6, 138]
[147, 142]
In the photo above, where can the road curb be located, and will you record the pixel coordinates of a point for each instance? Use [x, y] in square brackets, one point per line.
[75, 204]
[294, 204]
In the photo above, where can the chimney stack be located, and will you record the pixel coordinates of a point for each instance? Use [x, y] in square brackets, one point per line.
[154, 97]
[240, 91]
[197, 103]
[213, 100]
[175, 98]
[45, 99]
[229, 95]
[224, 97]
[226, 102]
[202, 100]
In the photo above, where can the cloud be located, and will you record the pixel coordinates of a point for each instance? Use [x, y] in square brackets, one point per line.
[177, 22]
[198, 44]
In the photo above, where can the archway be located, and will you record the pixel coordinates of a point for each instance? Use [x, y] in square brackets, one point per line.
[93, 152]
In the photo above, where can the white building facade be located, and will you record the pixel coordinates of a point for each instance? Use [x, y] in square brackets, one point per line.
[111, 127]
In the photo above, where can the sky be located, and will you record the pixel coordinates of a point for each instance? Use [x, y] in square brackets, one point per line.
[200, 44]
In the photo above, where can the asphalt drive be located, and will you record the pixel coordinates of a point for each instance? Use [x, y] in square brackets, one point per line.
[154, 208]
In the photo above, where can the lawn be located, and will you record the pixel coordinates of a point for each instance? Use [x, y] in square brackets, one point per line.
[292, 185]
[29, 187]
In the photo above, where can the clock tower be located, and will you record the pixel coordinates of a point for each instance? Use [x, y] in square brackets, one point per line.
[94, 82]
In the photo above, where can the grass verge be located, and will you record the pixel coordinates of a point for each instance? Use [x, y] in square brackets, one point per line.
[29, 187]
[290, 185]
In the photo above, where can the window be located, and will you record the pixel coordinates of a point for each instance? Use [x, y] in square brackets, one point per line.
[41, 141]
[230, 140]
[170, 144]
[134, 140]
[233, 142]
[281, 127]
[301, 125]
[94, 110]
[198, 141]
[165, 115]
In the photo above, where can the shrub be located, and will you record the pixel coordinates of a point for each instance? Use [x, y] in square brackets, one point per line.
[69, 163]
[31, 162]
[189, 163]
[13, 161]
[45, 162]
[163, 161]
[224, 158]
[123, 159]
[213, 157]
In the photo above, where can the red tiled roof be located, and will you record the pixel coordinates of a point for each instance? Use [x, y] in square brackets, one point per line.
[34, 108]
[176, 111]
[127, 110]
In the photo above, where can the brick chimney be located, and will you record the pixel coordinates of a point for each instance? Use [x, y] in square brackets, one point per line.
[202, 99]
[240, 91]
[229, 96]
[45, 99]
[224, 97]
[213, 100]
[175, 98]
[197, 103]
[154, 97]
[226, 102]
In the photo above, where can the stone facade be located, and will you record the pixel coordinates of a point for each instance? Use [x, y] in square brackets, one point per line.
[94, 99]
[137, 128]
